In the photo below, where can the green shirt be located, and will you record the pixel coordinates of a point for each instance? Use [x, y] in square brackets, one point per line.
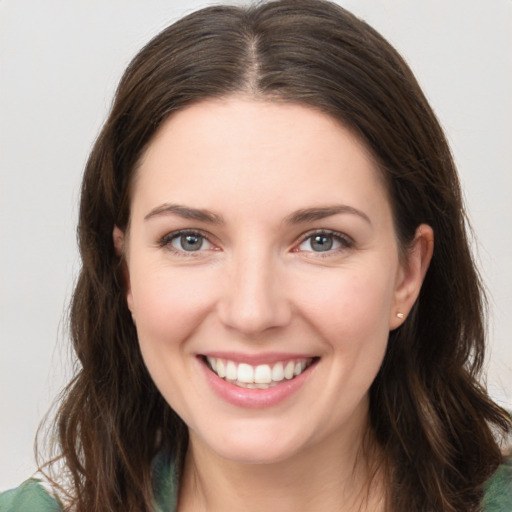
[32, 496]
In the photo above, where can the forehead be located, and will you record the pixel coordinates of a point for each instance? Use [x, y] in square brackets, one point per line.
[258, 151]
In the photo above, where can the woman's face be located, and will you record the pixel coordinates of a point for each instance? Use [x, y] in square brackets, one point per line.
[264, 276]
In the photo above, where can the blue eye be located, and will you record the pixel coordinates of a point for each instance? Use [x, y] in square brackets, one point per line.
[323, 242]
[186, 241]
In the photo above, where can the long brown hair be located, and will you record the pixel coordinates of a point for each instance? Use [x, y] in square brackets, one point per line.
[432, 418]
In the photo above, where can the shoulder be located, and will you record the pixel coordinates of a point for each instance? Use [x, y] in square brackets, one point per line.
[498, 490]
[36, 495]
[31, 496]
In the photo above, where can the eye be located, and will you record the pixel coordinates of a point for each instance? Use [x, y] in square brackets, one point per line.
[324, 242]
[186, 241]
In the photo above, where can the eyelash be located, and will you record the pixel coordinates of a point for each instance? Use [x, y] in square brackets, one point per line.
[345, 241]
[166, 241]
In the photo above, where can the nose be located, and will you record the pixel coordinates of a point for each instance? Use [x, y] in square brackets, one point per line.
[254, 298]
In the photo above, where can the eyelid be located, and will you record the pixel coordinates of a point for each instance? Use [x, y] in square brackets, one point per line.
[345, 240]
[166, 241]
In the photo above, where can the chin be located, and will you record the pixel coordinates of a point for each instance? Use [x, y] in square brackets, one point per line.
[255, 444]
[260, 453]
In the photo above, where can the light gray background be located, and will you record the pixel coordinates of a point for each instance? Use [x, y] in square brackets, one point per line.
[59, 63]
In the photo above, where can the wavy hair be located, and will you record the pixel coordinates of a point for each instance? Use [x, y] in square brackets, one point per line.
[436, 426]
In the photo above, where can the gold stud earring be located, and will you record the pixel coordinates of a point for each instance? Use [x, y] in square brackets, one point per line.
[400, 315]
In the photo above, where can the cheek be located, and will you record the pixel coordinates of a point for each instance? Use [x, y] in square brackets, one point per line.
[168, 306]
[169, 303]
[358, 333]
[350, 313]
[354, 303]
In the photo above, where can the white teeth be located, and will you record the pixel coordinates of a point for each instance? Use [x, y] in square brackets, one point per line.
[278, 372]
[245, 373]
[262, 376]
[221, 369]
[231, 373]
[289, 369]
[213, 363]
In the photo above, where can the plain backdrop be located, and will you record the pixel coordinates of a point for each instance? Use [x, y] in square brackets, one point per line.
[60, 61]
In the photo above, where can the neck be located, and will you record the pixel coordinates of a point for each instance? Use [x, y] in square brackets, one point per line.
[320, 478]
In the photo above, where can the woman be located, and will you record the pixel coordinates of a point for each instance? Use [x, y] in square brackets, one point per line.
[277, 305]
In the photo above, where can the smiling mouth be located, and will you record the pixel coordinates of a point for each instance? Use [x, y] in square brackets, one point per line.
[262, 376]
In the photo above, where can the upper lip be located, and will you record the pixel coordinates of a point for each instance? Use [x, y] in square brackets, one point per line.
[256, 359]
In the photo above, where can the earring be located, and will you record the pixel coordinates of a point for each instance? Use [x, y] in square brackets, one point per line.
[400, 315]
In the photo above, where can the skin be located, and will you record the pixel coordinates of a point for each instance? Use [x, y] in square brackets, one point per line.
[256, 286]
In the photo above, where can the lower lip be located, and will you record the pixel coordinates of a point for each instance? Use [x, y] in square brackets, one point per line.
[255, 398]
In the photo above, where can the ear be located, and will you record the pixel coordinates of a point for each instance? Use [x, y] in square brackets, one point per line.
[411, 273]
[119, 240]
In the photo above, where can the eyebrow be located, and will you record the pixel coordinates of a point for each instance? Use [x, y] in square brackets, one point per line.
[312, 214]
[298, 217]
[186, 213]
